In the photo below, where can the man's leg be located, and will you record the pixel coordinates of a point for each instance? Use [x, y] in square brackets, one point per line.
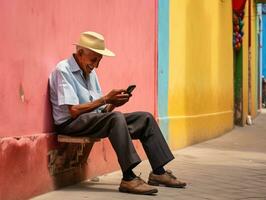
[143, 126]
[112, 125]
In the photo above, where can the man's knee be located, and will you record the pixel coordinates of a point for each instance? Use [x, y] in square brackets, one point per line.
[146, 115]
[117, 116]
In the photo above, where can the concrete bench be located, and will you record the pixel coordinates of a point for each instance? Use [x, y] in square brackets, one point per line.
[70, 154]
[79, 140]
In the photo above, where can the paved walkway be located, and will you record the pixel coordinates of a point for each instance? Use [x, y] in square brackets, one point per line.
[229, 167]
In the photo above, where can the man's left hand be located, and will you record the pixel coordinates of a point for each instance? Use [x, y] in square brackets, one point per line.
[122, 100]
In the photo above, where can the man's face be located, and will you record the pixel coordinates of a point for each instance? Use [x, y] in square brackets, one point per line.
[89, 60]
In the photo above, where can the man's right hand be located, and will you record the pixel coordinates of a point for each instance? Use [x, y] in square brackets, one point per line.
[117, 97]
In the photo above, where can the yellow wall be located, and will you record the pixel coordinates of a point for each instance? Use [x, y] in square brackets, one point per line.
[245, 66]
[253, 60]
[253, 63]
[200, 71]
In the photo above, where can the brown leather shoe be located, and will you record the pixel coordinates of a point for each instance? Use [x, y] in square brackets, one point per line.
[167, 179]
[137, 186]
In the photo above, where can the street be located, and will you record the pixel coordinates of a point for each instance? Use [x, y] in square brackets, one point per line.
[229, 167]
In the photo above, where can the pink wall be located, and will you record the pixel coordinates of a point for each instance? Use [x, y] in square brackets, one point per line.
[37, 34]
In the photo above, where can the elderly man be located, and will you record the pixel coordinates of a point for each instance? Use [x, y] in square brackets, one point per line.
[80, 109]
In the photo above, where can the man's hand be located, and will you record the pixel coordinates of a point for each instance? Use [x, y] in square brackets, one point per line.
[117, 97]
[114, 98]
[123, 98]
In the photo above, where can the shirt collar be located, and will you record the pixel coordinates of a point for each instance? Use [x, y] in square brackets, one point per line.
[73, 64]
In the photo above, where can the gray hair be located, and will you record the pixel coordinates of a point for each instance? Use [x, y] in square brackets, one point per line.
[78, 48]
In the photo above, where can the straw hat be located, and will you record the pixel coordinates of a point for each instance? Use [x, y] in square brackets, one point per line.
[95, 42]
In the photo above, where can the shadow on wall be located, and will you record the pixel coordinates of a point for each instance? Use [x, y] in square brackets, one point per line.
[66, 162]
[224, 72]
[48, 126]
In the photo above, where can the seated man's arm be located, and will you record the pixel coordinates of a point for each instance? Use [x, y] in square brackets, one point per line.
[114, 99]
[76, 110]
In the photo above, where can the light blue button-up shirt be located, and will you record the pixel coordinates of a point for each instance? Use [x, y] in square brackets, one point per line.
[68, 86]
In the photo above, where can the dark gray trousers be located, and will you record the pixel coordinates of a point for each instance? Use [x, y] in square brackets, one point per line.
[121, 129]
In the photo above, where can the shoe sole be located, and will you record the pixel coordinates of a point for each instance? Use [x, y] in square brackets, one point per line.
[155, 183]
[124, 190]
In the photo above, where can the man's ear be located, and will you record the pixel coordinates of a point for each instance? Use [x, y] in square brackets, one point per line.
[80, 52]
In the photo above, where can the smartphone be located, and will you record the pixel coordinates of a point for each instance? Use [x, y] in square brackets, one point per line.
[130, 89]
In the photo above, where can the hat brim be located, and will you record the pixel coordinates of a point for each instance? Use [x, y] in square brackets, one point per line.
[104, 52]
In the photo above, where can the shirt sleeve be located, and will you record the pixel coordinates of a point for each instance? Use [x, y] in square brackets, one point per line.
[97, 85]
[66, 92]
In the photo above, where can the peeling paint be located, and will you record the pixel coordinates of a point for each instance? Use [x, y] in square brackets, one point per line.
[21, 93]
[67, 157]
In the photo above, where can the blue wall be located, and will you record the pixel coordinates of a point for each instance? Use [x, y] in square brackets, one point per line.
[163, 63]
[264, 40]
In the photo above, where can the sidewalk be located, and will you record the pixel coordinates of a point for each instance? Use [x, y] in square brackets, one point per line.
[230, 167]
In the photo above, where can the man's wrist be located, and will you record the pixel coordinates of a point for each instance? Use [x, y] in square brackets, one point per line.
[104, 101]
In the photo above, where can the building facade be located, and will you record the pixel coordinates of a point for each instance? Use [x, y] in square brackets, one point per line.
[179, 54]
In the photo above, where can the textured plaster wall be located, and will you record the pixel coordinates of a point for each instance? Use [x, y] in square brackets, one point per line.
[254, 66]
[200, 92]
[35, 36]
